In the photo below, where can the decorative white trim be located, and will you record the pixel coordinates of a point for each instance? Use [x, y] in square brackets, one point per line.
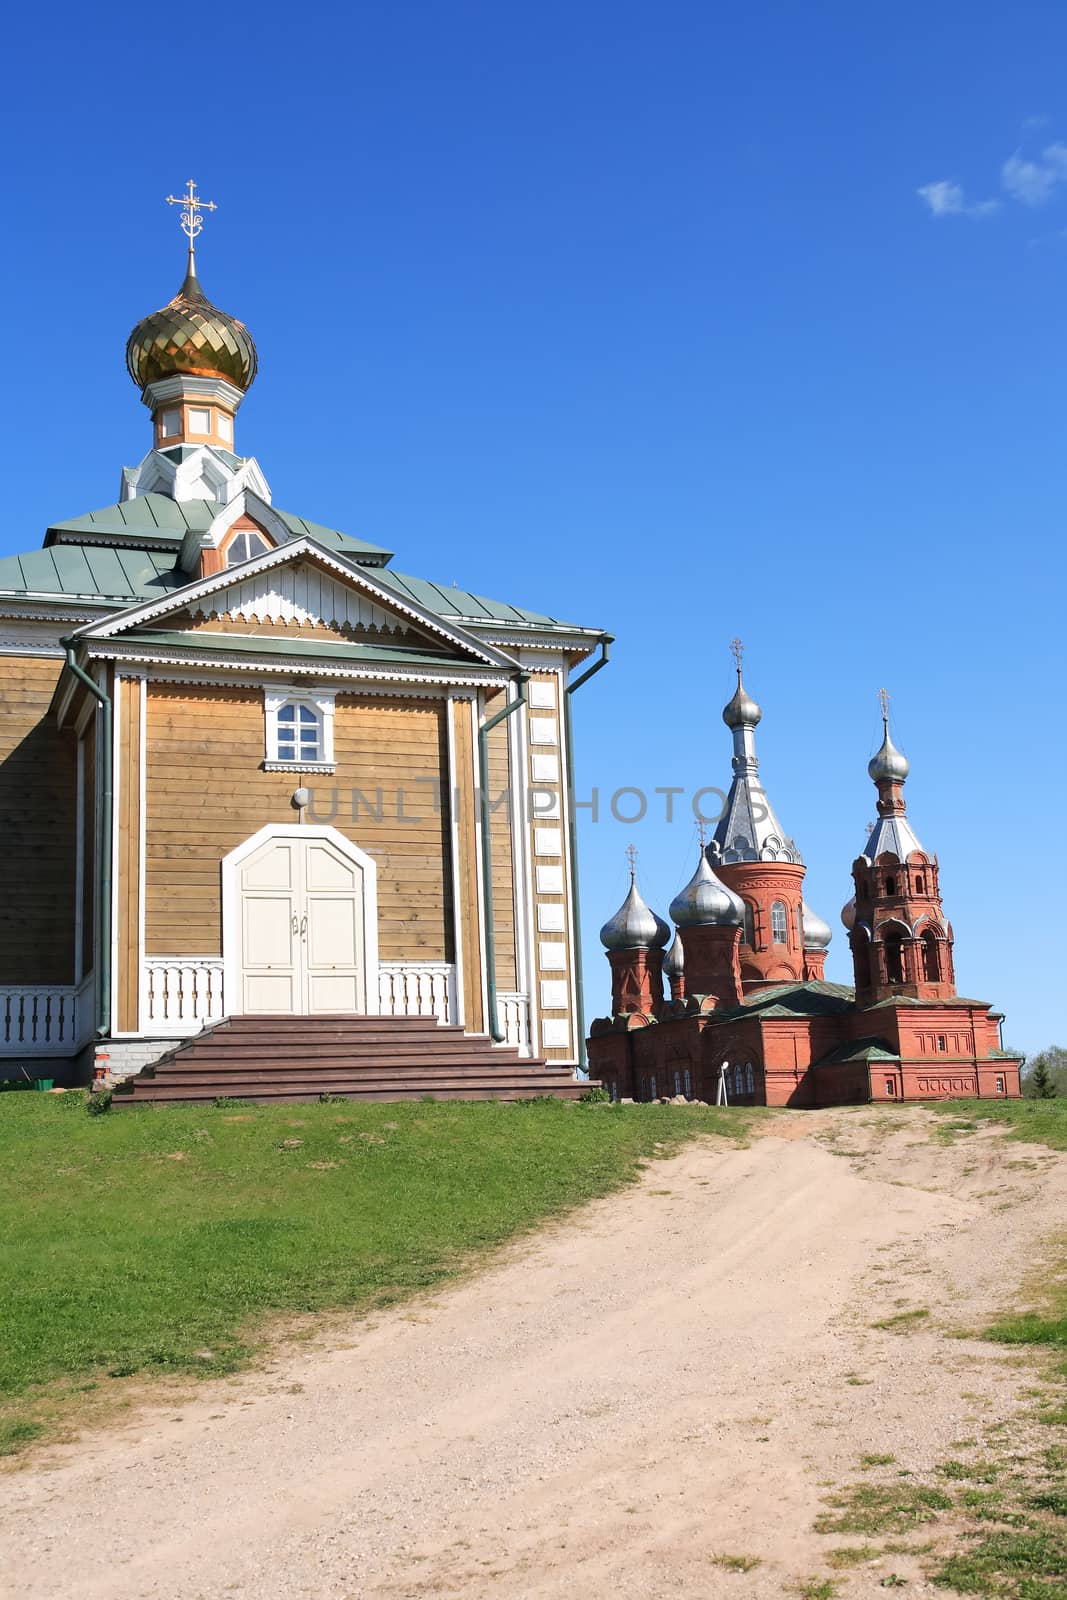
[513, 1013]
[182, 994]
[322, 703]
[296, 549]
[170, 657]
[79, 862]
[417, 989]
[477, 710]
[142, 852]
[453, 855]
[116, 800]
[300, 594]
[182, 386]
[38, 1021]
[231, 911]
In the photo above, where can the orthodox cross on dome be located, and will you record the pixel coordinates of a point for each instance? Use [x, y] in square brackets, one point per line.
[737, 650]
[190, 217]
[883, 701]
[631, 856]
[702, 832]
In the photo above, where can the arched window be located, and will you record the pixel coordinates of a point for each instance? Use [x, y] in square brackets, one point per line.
[890, 886]
[779, 925]
[931, 957]
[920, 883]
[749, 935]
[299, 732]
[243, 546]
[739, 1082]
[894, 956]
[750, 1081]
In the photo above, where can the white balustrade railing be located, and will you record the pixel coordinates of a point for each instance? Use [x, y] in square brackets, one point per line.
[39, 1021]
[181, 994]
[513, 1013]
[417, 989]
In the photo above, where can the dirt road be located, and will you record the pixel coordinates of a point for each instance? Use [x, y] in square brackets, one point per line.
[675, 1374]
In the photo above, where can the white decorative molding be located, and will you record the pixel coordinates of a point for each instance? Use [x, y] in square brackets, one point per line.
[552, 955]
[39, 1021]
[549, 880]
[303, 595]
[541, 695]
[513, 1013]
[417, 989]
[192, 594]
[551, 919]
[110, 650]
[555, 994]
[548, 841]
[181, 994]
[555, 1033]
[544, 767]
[184, 386]
[543, 730]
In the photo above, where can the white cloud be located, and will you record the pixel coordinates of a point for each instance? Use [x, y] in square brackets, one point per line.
[947, 199]
[1032, 182]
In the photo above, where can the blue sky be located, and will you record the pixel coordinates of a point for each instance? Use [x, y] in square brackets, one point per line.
[681, 319]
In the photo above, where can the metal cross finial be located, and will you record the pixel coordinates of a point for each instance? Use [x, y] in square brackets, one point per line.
[883, 701]
[631, 856]
[191, 205]
[738, 650]
[701, 834]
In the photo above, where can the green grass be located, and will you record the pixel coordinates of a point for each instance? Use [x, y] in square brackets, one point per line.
[872, 1508]
[904, 1321]
[160, 1239]
[1032, 1121]
[1015, 1563]
[736, 1563]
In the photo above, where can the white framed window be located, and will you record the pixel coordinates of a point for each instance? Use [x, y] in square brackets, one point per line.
[779, 924]
[1000, 1085]
[243, 546]
[170, 423]
[224, 426]
[199, 419]
[299, 731]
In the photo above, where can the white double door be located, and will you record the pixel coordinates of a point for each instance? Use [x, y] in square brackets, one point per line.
[301, 928]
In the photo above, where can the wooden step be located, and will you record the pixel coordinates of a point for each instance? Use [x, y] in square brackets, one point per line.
[379, 1058]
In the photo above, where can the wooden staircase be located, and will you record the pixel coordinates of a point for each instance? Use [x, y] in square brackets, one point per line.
[287, 1058]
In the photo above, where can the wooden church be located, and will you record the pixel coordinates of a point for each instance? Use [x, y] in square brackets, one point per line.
[277, 818]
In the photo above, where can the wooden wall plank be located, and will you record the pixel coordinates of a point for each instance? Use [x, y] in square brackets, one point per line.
[38, 831]
[128, 853]
[207, 792]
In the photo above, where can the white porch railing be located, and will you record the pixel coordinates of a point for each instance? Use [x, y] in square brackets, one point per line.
[39, 1022]
[417, 989]
[513, 1013]
[182, 994]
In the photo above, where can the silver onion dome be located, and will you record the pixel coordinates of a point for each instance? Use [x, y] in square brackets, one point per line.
[706, 901]
[848, 914]
[674, 964]
[634, 926]
[890, 763]
[742, 711]
[817, 933]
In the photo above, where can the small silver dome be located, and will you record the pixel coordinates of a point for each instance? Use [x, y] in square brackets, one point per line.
[742, 711]
[889, 763]
[706, 901]
[663, 933]
[817, 933]
[674, 964]
[634, 926]
[848, 914]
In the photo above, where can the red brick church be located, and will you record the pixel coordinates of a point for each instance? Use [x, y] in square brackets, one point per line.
[749, 1014]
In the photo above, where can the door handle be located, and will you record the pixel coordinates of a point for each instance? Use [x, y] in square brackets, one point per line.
[296, 924]
[304, 925]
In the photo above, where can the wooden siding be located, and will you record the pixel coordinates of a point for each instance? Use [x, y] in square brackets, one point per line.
[128, 853]
[89, 825]
[207, 792]
[503, 866]
[38, 801]
[470, 926]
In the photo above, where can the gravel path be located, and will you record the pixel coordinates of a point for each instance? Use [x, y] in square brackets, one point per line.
[673, 1373]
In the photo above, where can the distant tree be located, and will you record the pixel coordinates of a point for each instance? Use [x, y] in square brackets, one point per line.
[1045, 1075]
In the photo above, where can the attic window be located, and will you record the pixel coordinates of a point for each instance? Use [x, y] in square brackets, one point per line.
[199, 419]
[170, 423]
[243, 546]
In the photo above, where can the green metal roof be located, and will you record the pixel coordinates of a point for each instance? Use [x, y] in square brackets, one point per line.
[860, 1050]
[94, 572]
[261, 645]
[158, 519]
[460, 603]
[815, 999]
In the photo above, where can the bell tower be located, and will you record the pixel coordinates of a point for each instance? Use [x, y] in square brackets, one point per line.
[900, 941]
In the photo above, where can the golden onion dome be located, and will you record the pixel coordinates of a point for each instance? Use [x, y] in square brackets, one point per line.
[192, 336]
